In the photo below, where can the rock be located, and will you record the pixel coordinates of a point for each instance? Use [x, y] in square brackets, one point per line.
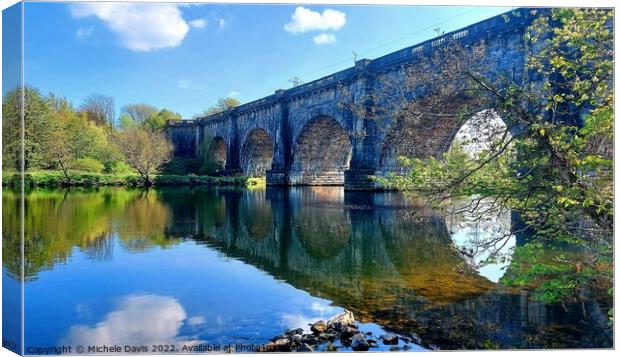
[359, 343]
[330, 347]
[341, 320]
[325, 336]
[297, 331]
[305, 348]
[283, 344]
[269, 347]
[389, 339]
[295, 340]
[369, 333]
[406, 347]
[416, 338]
[318, 327]
[394, 348]
[404, 339]
[348, 332]
[312, 340]
[338, 326]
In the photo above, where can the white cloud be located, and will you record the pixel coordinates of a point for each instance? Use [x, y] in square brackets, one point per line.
[233, 94]
[198, 23]
[189, 84]
[139, 26]
[196, 320]
[222, 23]
[84, 32]
[324, 38]
[304, 20]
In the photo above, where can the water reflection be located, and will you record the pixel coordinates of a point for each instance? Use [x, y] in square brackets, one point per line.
[359, 251]
[144, 319]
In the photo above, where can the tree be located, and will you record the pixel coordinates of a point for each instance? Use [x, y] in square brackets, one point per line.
[144, 149]
[555, 169]
[100, 109]
[73, 137]
[158, 120]
[36, 129]
[223, 104]
[139, 112]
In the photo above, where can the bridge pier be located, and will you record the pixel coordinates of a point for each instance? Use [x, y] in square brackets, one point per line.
[360, 180]
[276, 178]
[353, 180]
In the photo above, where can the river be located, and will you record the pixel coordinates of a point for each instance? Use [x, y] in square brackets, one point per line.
[192, 266]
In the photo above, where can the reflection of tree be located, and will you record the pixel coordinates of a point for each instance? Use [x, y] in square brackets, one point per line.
[145, 221]
[101, 248]
[56, 221]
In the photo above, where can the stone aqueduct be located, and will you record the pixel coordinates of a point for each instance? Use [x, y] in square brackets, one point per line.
[304, 136]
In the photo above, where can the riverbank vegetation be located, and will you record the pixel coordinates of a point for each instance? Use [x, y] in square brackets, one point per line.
[66, 146]
[58, 179]
[553, 162]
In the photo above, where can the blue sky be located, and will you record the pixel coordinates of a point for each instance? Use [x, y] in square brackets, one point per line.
[185, 57]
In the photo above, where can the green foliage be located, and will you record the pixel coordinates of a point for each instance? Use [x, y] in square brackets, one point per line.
[182, 166]
[207, 162]
[223, 104]
[37, 129]
[160, 119]
[56, 179]
[88, 164]
[144, 149]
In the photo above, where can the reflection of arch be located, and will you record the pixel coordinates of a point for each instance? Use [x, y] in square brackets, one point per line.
[322, 153]
[256, 153]
[217, 152]
[323, 234]
[428, 263]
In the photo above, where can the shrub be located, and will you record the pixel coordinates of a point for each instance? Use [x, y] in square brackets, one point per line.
[88, 164]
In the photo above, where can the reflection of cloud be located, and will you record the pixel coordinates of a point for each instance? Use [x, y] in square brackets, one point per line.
[139, 319]
[323, 312]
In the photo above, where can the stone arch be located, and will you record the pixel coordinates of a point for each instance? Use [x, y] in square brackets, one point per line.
[429, 135]
[218, 153]
[257, 153]
[322, 153]
[477, 133]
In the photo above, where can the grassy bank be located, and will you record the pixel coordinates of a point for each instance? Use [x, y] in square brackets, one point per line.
[52, 179]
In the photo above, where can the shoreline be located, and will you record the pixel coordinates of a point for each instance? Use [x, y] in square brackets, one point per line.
[340, 333]
[54, 179]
